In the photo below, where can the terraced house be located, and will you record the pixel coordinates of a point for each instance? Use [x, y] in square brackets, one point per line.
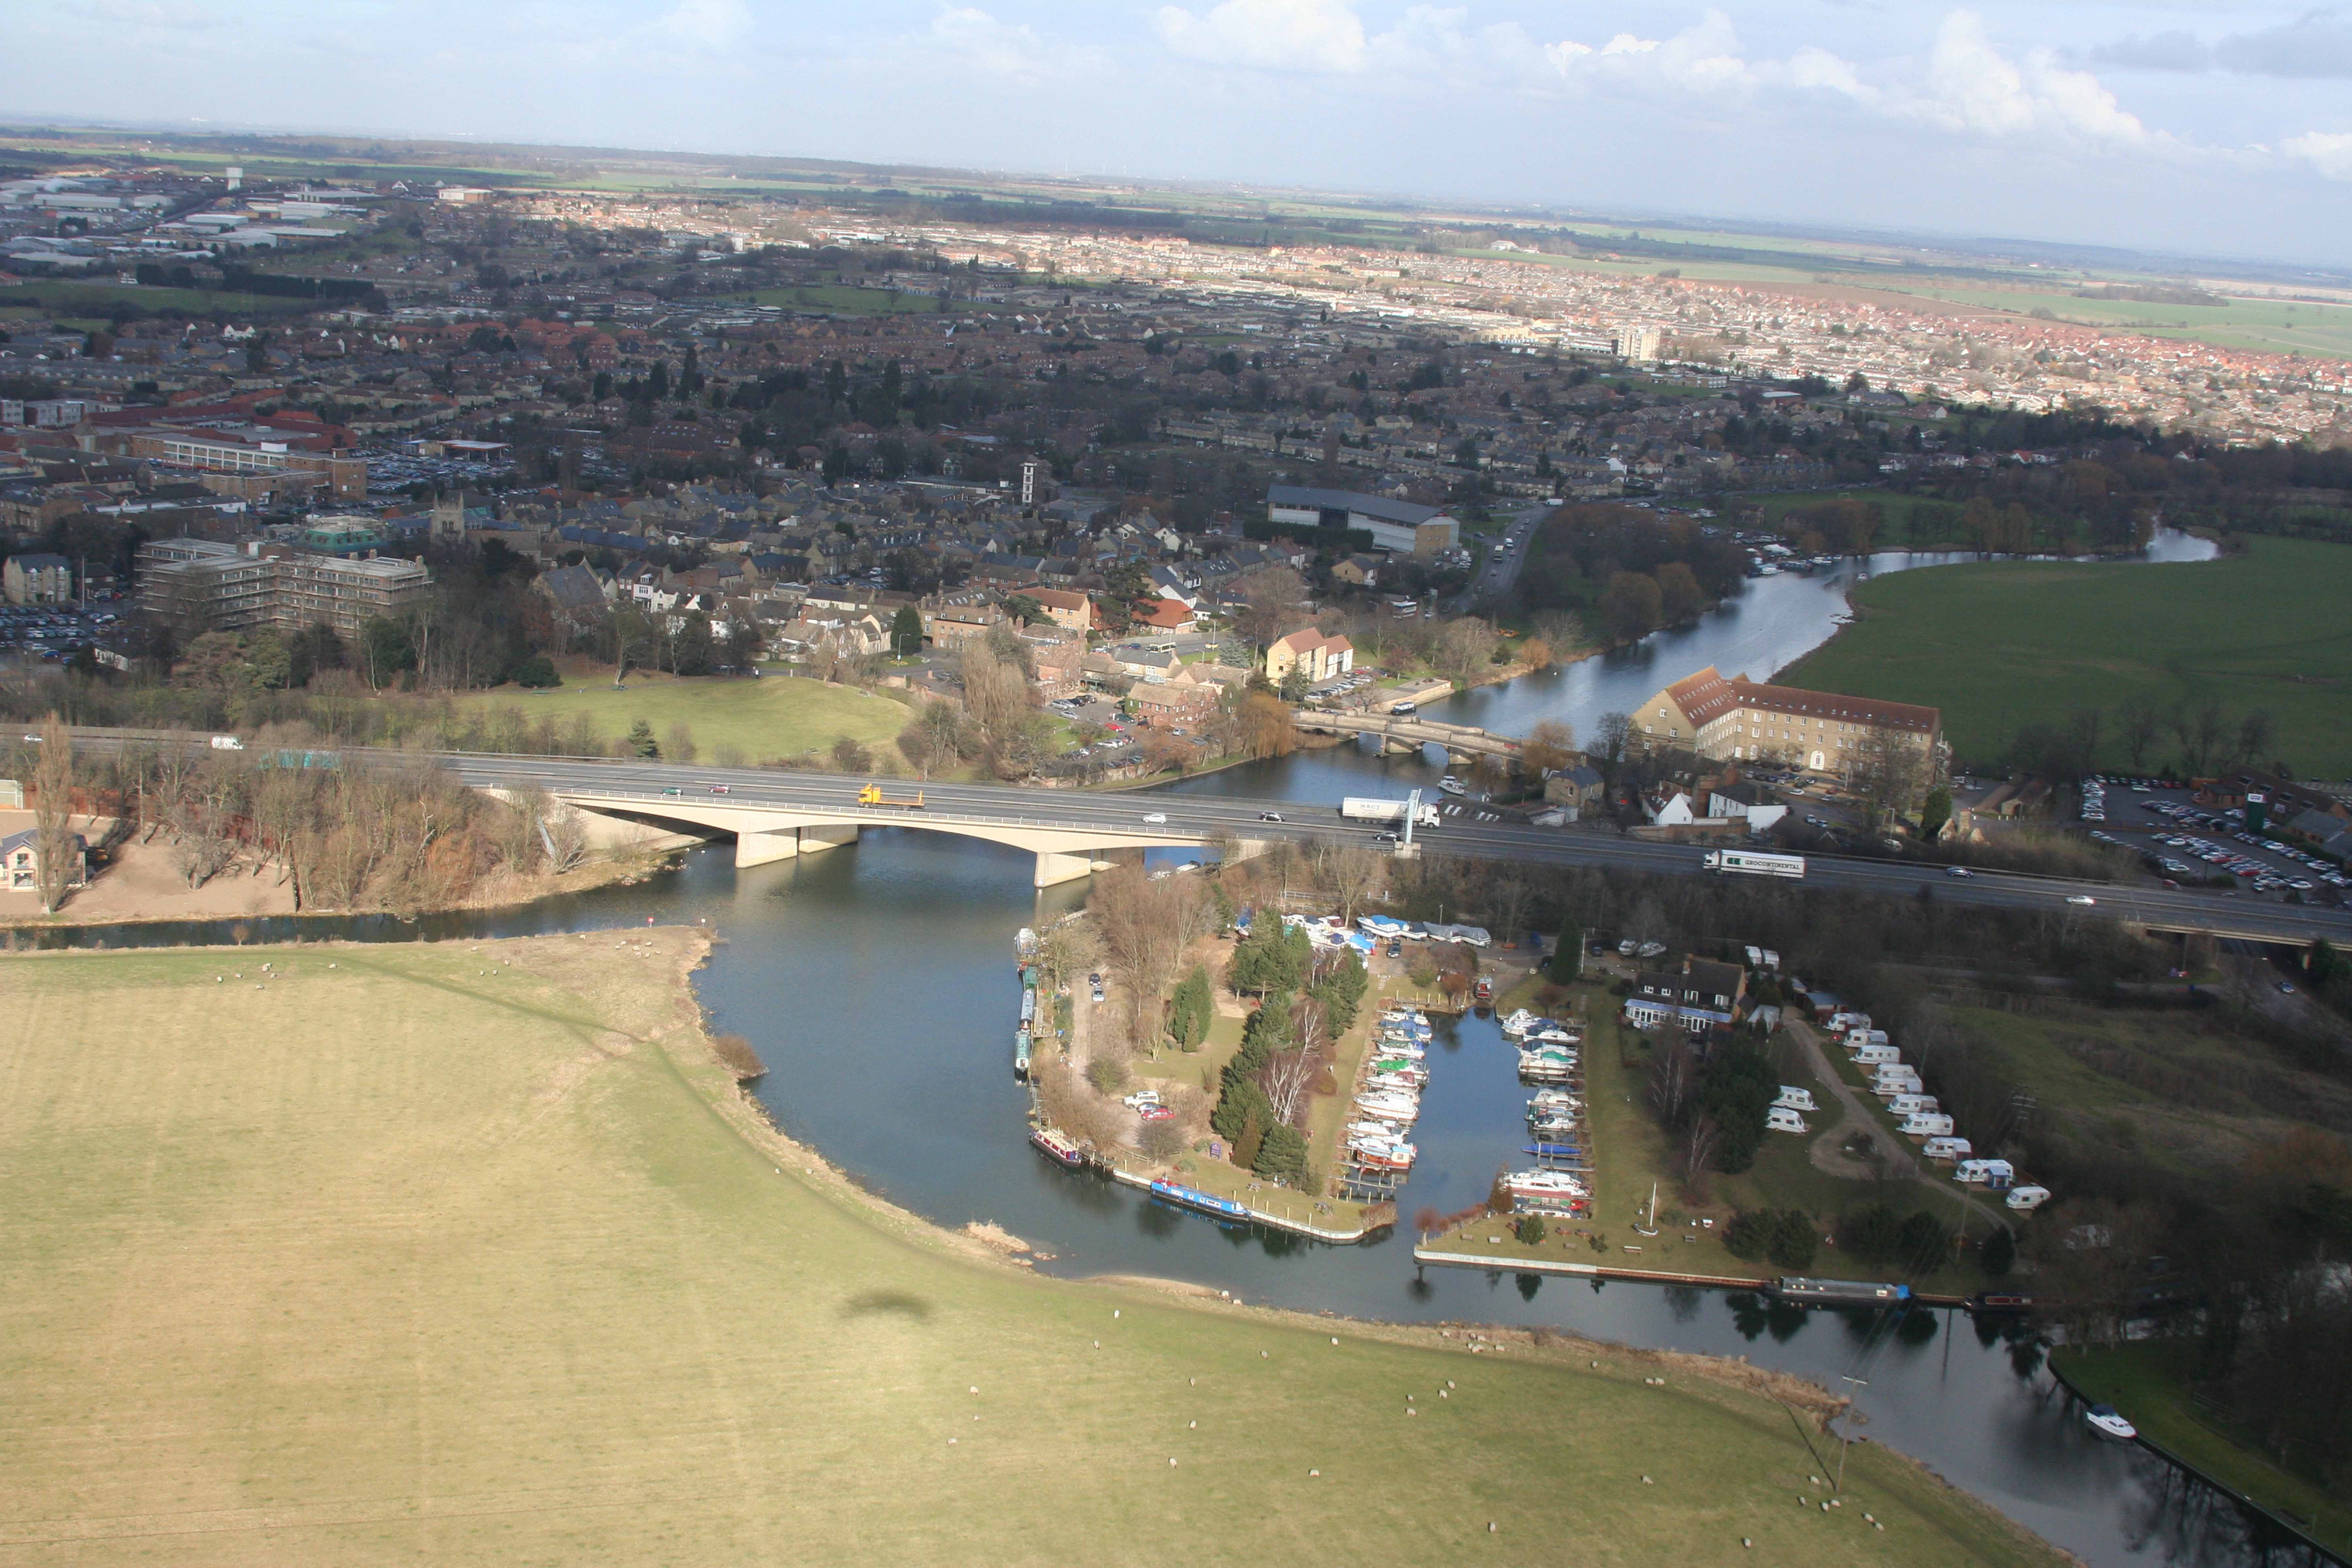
[1743, 721]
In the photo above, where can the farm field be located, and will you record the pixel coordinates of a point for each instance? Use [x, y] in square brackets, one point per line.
[469, 1252]
[92, 300]
[2001, 645]
[760, 721]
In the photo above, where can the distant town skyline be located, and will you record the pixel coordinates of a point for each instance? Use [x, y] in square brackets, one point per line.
[2207, 129]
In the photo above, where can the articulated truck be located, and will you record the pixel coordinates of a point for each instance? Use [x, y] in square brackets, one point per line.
[1750, 863]
[1359, 808]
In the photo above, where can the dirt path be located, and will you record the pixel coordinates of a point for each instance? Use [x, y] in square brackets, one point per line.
[1888, 1156]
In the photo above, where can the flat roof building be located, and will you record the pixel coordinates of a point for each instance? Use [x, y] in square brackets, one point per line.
[197, 585]
[1399, 527]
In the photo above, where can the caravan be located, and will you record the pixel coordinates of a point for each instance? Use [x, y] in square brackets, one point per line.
[1912, 1105]
[1780, 1118]
[1946, 1148]
[1873, 1056]
[1894, 1078]
[1857, 1039]
[1994, 1174]
[2025, 1200]
[1795, 1099]
[1926, 1124]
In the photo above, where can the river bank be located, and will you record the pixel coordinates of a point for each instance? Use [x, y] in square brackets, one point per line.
[500, 1208]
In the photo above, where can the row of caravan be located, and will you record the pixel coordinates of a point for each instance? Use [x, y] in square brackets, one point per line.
[1919, 1116]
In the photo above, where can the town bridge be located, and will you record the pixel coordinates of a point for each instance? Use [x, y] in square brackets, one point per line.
[1410, 732]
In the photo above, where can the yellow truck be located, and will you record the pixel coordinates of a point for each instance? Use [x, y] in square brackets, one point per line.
[872, 795]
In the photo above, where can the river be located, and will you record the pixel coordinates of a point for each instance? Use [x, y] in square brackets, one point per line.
[877, 983]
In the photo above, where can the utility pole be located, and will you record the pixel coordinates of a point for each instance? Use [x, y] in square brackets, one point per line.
[1845, 1440]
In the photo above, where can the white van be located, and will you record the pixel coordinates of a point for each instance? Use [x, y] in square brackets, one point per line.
[1780, 1118]
[1873, 1056]
[2025, 1200]
[1994, 1174]
[1926, 1124]
[1912, 1105]
[1795, 1099]
[1946, 1148]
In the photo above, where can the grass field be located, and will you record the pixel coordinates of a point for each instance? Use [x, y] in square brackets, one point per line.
[94, 299]
[2147, 1382]
[843, 300]
[775, 717]
[467, 1253]
[2266, 326]
[2002, 644]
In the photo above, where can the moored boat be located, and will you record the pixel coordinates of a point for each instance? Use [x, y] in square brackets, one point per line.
[1059, 1146]
[1193, 1198]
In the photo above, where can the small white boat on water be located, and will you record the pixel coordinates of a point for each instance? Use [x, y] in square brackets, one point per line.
[2108, 1422]
[1452, 786]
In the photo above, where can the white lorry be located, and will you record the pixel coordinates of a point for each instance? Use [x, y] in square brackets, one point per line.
[1754, 863]
[1364, 808]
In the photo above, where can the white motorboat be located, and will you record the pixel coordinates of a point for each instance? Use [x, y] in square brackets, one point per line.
[2108, 1422]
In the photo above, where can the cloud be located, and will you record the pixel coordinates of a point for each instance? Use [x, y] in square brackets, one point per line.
[2328, 152]
[2315, 46]
[977, 38]
[706, 23]
[1971, 86]
[1324, 35]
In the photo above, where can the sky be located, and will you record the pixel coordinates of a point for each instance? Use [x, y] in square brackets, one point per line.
[2207, 129]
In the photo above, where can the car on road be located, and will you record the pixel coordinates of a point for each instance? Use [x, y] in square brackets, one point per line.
[1396, 949]
[1094, 981]
[1156, 820]
[1269, 816]
[1098, 995]
[2287, 987]
[1958, 871]
[2080, 898]
[672, 789]
[720, 789]
[1384, 837]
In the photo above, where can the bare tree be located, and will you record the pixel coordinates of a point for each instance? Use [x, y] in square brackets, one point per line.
[1698, 1147]
[1511, 899]
[1353, 873]
[2255, 732]
[1272, 598]
[1890, 774]
[2138, 725]
[1550, 747]
[2084, 725]
[53, 786]
[1673, 1079]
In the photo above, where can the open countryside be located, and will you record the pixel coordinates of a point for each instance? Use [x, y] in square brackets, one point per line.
[569, 1298]
[2004, 645]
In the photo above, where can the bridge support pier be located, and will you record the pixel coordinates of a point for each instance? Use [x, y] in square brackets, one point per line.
[789, 843]
[1054, 869]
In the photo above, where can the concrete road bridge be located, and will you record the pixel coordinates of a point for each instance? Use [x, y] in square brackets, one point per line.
[775, 815]
[1410, 732]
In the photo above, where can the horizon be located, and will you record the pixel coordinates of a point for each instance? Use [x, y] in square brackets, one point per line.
[2214, 132]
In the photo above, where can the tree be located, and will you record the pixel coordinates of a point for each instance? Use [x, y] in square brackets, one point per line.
[1997, 1253]
[1271, 599]
[1354, 872]
[1465, 647]
[1529, 1230]
[537, 673]
[1549, 748]
[1630, 607]
[1888, 773]
[1611, 736]
[907, 632]
[2138, 725]
[1025, 609]
[2255, 732]
[1935, 813]
[641, 740]
[53, 786]
[1568, 956]
[1266, 727]
[1680, 598]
